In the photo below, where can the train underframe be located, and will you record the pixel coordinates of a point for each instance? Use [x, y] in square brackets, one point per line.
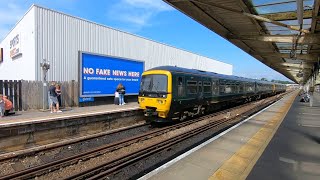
[179, 113]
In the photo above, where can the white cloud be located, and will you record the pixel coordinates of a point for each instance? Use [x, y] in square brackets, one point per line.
[10, 14]
[157, 5]
[137, 13]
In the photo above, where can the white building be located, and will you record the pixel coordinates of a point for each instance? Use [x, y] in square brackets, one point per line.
[46, 34]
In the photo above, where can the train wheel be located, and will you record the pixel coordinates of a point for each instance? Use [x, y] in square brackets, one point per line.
[183, 116]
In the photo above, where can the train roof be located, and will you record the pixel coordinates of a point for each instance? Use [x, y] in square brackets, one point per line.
[200, 72]
[206, 73]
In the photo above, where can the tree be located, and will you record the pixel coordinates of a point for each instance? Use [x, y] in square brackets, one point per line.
[264, 79]
[281, 82]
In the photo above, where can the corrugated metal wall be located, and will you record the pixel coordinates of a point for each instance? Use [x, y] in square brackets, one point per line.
[60, 37]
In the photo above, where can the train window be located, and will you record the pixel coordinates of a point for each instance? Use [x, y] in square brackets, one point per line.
[154, 85]
[227, 89]
[180, 82]
[181, 90]
[215, 88]
[241, 87]
[192, 87]
[234, 89]
[207, 87]
[250, 87]
[222, 89]
[206, 83]
[200, 87]
[222, 82]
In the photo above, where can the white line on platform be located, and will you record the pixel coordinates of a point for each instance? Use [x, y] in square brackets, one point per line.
[168, 164]
[310, 114]
[309, 125]
[25, 121]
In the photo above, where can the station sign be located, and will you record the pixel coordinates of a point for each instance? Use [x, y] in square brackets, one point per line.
[1, 55]
[99, 75]
[15, 46]
[86, 99]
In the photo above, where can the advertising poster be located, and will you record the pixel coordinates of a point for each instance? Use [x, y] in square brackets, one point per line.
[100, 75]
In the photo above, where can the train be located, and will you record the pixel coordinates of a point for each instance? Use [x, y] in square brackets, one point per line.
[170, 93]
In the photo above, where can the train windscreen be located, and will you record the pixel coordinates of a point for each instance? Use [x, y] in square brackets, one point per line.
[154, 85]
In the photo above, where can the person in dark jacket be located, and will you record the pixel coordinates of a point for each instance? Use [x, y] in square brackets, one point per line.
[58, 91]
[53, 98]
[121, 90]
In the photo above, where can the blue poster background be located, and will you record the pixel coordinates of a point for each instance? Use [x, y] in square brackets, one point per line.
[100, 75]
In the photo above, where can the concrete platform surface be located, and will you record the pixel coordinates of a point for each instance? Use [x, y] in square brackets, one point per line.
[25, 117]
[233, 153]
[294, 151]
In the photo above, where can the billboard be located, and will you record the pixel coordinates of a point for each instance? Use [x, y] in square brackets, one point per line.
[100, 75]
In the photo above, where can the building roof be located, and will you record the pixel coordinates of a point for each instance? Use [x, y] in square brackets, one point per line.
[282, 34]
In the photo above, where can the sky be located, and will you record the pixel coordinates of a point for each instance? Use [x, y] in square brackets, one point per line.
[151, 19]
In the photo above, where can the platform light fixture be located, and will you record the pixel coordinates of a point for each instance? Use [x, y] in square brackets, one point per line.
[45, 66]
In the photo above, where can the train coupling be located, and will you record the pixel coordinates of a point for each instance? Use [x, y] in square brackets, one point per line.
[150, 112]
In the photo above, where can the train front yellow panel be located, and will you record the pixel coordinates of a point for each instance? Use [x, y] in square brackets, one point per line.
[160, 105]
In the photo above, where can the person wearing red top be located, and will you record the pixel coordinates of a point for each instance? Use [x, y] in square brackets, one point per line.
[1, 106]
[7, 106]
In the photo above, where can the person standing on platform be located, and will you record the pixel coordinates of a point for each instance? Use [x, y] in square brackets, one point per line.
[53, 98]
[58, 91]
[2, 106]
[8, 106]
[116, 98]
[311, 89]
[121, 90]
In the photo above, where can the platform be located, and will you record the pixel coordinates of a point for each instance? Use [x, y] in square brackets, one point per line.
[234, 153]
[34, 116]
[35, 128]
[294, 151]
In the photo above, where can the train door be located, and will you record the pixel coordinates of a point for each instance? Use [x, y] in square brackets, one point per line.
[215, 87]
[241, 87]
[200, 89]
[273, 88]
[181, 89]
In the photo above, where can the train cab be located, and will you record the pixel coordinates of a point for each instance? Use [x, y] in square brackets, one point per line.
[155, 93]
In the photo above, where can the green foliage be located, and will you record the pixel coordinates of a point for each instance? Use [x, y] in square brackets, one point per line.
[282, 82]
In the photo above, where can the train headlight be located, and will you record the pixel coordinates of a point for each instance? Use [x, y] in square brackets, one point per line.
[162, 114]
[161, 101]
[141, 99]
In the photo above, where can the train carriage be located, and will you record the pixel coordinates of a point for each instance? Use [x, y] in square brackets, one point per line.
[169, 93]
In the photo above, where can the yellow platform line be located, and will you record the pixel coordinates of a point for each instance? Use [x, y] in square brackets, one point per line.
[241, 163]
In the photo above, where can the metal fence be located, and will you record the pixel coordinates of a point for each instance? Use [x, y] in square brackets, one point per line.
[12, 89]
[26, 95]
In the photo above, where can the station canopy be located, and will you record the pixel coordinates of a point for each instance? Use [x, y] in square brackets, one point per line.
[282, 34]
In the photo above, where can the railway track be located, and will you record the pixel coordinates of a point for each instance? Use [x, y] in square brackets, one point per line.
[17, 161]
[117, 168]
[110, 167]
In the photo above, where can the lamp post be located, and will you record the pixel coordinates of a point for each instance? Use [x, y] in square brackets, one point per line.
[45, 66]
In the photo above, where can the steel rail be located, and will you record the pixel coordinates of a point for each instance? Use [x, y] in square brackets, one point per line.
[35, 150]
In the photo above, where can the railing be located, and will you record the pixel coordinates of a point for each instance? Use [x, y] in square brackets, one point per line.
[12, 89]
[26, 95]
